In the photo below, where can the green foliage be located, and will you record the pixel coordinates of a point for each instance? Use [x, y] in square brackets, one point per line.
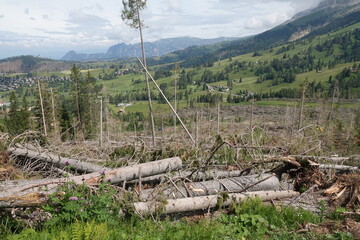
[80, 203]
[130, 13]
[252, 219]
[18, 119]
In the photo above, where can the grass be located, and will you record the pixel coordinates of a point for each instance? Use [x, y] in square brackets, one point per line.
[250, 219]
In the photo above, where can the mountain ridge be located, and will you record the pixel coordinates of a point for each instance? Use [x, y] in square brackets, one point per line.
[153, 49]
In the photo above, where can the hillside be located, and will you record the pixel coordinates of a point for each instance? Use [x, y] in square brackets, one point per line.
[157, 48]
[319, 62]
[27, 64]
[329, 16]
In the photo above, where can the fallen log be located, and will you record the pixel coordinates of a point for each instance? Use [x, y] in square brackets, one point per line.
[76, 165]
[199, 176]
[339, 167]
[36, 192]
[206, 202]
[317, 158]
[236, 184]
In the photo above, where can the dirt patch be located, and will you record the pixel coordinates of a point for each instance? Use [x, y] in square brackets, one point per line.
[7, 171]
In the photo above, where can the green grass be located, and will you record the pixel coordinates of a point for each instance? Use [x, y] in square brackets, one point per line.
[250, 219]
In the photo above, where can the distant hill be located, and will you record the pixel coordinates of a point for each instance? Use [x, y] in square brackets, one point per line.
[157, 48]
[27, 64]
[329, 16]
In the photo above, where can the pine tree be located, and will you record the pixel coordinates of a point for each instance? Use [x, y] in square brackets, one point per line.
[19, 118]
[131, 14]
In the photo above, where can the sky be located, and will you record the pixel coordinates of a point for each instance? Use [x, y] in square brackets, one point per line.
[51, 28]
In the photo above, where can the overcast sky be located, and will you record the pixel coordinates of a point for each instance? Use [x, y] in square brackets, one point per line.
[50, 28]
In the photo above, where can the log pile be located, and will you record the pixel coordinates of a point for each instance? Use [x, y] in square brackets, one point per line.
[163, 185]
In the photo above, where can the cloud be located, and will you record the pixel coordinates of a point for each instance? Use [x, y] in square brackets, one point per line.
[83, 21]
[46, 17]
[2, 16]
[99, 7]
[27, 11]
[32, 19]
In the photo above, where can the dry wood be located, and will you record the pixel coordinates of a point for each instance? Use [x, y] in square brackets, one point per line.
[236, 184]
[36, 192]
[206, 202]
[77, 165]
[333, 159]
[339, 167]
[198, 176]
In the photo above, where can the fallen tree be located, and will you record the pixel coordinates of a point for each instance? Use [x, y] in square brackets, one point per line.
[236, 184]
[206, 202]
[198, 176]
[339, 167]
[36, 192]
[76, 165]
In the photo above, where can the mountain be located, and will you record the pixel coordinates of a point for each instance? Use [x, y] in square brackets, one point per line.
[157, 48]
[73, 56]
[27, 64]
[328, 16]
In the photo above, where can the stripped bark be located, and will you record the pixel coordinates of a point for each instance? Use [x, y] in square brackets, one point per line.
[199, 176]
[206, 202]
[36, 192]
[236, 184]
[339, 167]
[76, 165]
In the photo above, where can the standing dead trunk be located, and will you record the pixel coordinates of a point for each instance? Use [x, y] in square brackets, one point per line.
[42, 109]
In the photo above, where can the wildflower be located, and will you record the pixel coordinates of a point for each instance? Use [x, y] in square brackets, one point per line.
[73, 198]
[67, 163]
[102, 172]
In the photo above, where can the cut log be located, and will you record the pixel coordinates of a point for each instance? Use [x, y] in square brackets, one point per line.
[237, 184]
[76, 165]
[35, 192]
[206, 202]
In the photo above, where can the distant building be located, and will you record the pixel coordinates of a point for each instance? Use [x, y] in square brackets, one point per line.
[124, 104]
[4, 104]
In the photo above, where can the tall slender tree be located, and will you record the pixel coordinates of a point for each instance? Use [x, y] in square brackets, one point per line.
[131, 15]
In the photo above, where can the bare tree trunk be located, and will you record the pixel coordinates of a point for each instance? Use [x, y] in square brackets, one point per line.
[36, 192]
[53, 112]
[252, 115]
[197, 129]
[152, 123]
[218, 118]
[42, 109]
[76, 165]
[206, 202]
[236, 184]
[168, 103]
[101, 122]
[302, 107]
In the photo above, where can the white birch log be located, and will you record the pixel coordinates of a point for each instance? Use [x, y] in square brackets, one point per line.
[199, 176]
[36, 192]
[339, 167]
[206, 202]
[236, 184]
[317, 158]
[77, 165]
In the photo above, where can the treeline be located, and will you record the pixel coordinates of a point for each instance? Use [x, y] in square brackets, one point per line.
[347, 83]
[70, 116]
